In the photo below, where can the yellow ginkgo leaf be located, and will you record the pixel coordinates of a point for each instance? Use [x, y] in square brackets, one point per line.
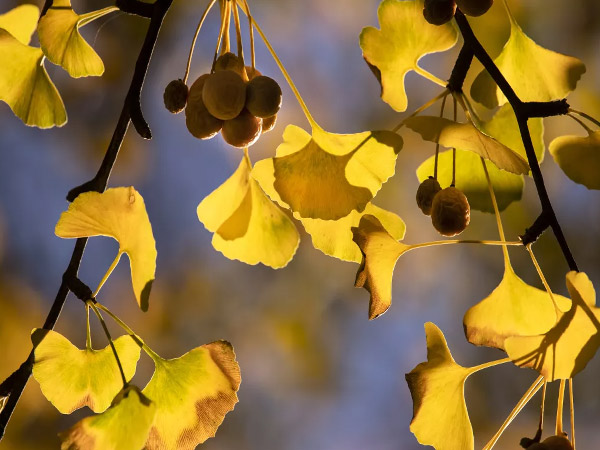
[579, 158]
[121, 214]
[465, 136]
[25, 85]
[440, 416]
[380, 253]
[20, 22]
[334, 237]
[535, 73]
[71, 378]
[566, 348]
[192, 393]
[247, 225]
[510, 311]
[404, 38]
[62, 43]
[124, 426]
[327, 176]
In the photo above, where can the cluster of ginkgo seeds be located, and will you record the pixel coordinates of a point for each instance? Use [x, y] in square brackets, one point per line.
[449, 208]
[552, 443]
[438, 12]
[234, 99]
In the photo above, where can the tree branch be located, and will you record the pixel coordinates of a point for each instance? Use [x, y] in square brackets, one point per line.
[14, 385]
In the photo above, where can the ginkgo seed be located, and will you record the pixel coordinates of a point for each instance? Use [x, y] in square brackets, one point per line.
[474, 7]
[450, 211]
[438, 12]
[175, 96]
[252, 72]
[425, 193]
[230, 61]
[224, 94]
[263, 96]
[200, 123]
[269, 123]
[557, 443]
[243, 130]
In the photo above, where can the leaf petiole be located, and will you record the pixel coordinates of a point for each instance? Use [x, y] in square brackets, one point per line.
[422, 108]
[108, 273]
[587, 116]
[200, 23]
[431, 77]
[462, 241]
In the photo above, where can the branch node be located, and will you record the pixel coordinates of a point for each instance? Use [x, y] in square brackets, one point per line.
[545, 109]
[536, 230]
[137, 117]
[78, 287]
[88, 186]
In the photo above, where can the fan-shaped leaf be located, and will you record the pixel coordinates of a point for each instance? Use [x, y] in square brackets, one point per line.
[192, 393]
[121, 214]
[20, 22]
[404, 38]
[579, 158]
[62, 43]
[71, 378]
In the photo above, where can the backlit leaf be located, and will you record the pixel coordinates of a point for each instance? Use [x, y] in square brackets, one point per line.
[21, 22]
[579, 158]
[565, 349]
[25, 85]
[465, 136]
[247, 225]
[327, 176]
[514, 308]
[535, 73]
[470, 177]
[380, 253]
[404, 38]
[62, 43]
[440, 416]
[71, 378]
[124, 426]
[121, 214]
[192, 393]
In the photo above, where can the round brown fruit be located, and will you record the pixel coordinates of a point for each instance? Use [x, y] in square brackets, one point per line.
[474, 7]
[230, 61]
[269, 123]
[224, 94]
[175, 96]
[200, 123]
[427, 190]
[263, 96]
[450, 211]
[252, 73]
[557, 443]
[242, 131]
[438, 12]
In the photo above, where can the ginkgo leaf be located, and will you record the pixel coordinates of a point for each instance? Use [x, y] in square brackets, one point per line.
[465, 136]
[440, 416]
[470, 177]
[334, 237]
[192, 393]
[62, 43]
[326, 175]
[124, 426]
[579, 158]
[566, 348]
[404, 38]
[380, 253]
[535, 73]
[514, 308]
[121, 214]
[20, 22]
[71, 378]
[247, 225]
[25, 85]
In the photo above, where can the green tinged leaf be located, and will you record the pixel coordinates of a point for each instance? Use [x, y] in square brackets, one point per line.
[465, 136]
[579, 158]
[124, 426]
[193, 394]
[326, 175]
[20, 22]
[62, 43]
[247, 226]
[71, 378]
[535, 73]
[121, 214]
[404, 38]
[440, 416]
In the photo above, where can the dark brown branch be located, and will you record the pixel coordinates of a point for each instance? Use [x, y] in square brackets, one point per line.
[523, 111]
[461, 67]
[14, 385]
[136, 7]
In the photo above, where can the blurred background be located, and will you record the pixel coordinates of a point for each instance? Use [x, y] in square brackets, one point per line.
[316, 373]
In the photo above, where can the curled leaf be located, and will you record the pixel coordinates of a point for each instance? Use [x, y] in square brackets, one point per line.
[121, 214]
[579, 158]
[404, 38]
[193, 394]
